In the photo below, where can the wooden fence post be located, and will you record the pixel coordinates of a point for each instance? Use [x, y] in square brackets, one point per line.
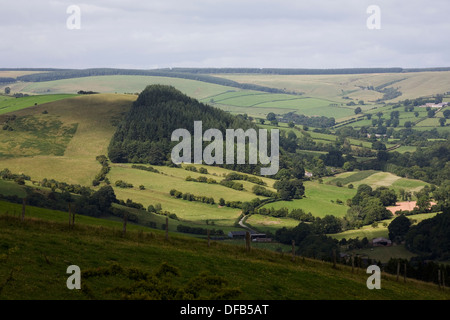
[293, 250]
[334, 258]
[167, 228]
[404, 276]
[443, 279]
[398, 269]
[247, 241]
[209, 238]
[23, 209]
[125, 218]
[439, 278]
[353, 263]
[70, 216]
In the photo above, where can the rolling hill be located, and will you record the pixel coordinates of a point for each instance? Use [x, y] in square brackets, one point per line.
[61, 136]
[41, 243]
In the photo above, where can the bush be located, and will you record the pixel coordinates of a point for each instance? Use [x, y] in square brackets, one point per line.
[123, 184]
[232, 184]
[190, 168]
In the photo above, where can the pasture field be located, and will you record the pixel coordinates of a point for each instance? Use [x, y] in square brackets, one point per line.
[259, 104]
[370, 232]
[335, 87]
[421, 121]
[11, 104]
[10, 188]
[50, 247]
[387, 179]
[74, 161]
[320, 200]
[36, 135]
[264, 223]
[120, 84]
[384, 254]
[62, 144]
[323, 199]
[323, 95]
[157, 188]
[350, 177]
[319, 137]
[377, 179]
[404, 149]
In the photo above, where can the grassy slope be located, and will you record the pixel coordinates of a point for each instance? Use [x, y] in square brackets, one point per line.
[122, 84]
[75, 161]
[158, 185]
[320, 199]
[337, 86]
[37, 253]
[380, 231]
[258, 104]
[10, 104]
[93, 116]
[377, 179]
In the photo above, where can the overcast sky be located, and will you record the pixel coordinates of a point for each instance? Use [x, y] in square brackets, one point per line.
[224, 33]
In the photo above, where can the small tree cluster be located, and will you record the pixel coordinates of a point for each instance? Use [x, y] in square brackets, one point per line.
[123, 184]
[201, 179]
[190, 197]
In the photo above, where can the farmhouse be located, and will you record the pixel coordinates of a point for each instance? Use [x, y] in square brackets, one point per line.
[434, 105]
[257, 237]
[237, 234]
[381, 242]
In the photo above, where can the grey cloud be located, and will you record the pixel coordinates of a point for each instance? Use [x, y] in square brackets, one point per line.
[240, 33]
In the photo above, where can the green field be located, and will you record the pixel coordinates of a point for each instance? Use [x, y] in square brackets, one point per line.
[370, 232]
[259, 104]
[74, 161]
[10, 104]
[350, 177]
[120, 85]
[36, 253]
[57, 135]
[411, 84]
[320, 200]
[377, 179]
[51, 153]
[10, 188]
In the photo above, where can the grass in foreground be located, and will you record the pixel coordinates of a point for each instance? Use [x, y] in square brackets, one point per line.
[35, 254]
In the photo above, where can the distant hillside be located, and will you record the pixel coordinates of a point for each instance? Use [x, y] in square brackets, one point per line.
[69, 74]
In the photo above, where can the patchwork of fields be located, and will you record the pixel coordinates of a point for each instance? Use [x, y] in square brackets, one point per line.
[60, 140]
[56, 134]
[411, 84]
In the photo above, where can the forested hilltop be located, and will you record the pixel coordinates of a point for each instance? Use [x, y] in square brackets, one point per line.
[144, 136]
